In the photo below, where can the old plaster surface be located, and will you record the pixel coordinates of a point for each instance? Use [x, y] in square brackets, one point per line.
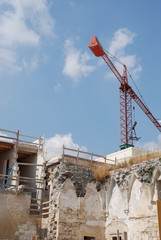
[15, 220]
[82, 206]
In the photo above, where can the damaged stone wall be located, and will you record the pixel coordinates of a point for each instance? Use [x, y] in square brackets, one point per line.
[82, 207]
[76, 208]
[16, 223]
[132, 194]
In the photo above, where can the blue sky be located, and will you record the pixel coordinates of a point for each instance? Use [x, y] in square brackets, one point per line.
[52, 84]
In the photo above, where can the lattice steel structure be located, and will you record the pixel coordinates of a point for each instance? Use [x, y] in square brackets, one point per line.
[126, 96]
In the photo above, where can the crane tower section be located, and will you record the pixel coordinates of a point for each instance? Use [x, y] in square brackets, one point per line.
[126, 133]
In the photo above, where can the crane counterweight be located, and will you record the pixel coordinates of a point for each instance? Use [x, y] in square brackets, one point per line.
[96, 47]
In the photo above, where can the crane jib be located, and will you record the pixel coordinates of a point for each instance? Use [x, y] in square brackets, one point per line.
[145, 109]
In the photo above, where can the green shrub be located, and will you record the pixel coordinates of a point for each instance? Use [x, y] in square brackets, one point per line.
[56, 174]
[150, 173]
[67, 164]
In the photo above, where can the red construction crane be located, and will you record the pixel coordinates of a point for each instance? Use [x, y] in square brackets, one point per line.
[126, 96]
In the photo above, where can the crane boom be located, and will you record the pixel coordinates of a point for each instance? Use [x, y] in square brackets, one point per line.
[145, 109]
[126, 95]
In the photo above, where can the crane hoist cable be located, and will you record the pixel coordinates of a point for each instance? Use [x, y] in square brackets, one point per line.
[126, 96]
[117, 60]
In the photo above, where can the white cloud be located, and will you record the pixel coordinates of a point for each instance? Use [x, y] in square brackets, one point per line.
[72, 3]
[122, 38]
[58, 141]
[8, 62]
[76, 62]
[151, 146]
[31, 64]
[14, 30]
[57, 87]
[23, 23]
[136, 71]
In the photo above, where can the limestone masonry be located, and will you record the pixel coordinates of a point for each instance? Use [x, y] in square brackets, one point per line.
[61, 199]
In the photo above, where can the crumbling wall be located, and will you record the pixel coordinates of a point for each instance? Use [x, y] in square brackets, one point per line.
[132, 202]
[76, 209]
[15, 219]
[80, 216]
[82, 206]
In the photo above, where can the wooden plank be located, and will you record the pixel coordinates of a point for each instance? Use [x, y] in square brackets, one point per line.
[30, 181]
[47, 213]
[125, 235]
[30, 143]
[3, 176]
[8, 131]
[28, 151]
[35, 205]
[45, 208]
[8, 185]
[159, 217]
[35, 210]
[1, 136]
[44, 203]
[93, 154]
[8, 177]
[33, 188]
[31, 164]
[75, 150]
[6, 145]
[118, 235]
[38, 179]
[22, 135]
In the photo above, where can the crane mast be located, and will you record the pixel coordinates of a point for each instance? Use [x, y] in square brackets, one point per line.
[126, 96]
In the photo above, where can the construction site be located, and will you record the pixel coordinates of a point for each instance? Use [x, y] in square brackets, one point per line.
[78, 195]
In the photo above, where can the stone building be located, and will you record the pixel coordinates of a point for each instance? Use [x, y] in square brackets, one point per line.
[21, 185]
[84, 208]
[62, 199]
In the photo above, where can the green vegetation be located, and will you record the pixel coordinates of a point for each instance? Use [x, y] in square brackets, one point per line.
[150, 173]
[67, 164]
[56, 174]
